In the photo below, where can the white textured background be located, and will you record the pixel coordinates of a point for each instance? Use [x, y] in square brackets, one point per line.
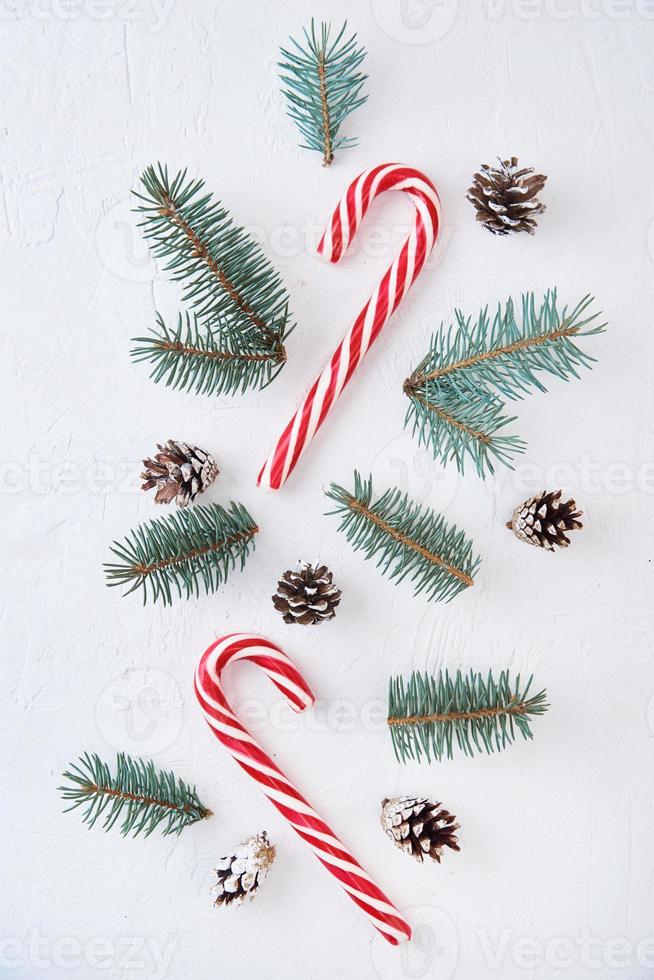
[555, 874]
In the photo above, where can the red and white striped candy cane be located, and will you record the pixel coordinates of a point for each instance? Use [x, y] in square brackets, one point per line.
[382, 304]
[279, 790]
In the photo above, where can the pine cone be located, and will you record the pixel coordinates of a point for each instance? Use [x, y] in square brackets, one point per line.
[241, 873]
[543, 520]
[308, 596]
[419, 827]
[179, 472]
[504, 200]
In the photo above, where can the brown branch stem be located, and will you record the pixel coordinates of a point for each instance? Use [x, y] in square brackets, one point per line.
[219, 355]
[408, 542]
[430, 406]
[565, 330]
[148, 800]
[328, 152]
[169, 210]
[516, 708]
[196, 553]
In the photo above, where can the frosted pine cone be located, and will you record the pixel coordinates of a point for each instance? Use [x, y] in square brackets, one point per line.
[419, 827]
[179, 472]
[307, 596]
[543, 520]
[505, 197]
[241, 873]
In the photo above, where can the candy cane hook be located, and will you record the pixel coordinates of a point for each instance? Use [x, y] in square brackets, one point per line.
[380, 307]
[279, 790]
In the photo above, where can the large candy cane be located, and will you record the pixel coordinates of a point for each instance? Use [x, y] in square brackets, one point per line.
[382, 304]
[279, 790]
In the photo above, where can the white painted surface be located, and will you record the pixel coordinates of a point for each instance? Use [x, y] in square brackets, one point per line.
[555, 874]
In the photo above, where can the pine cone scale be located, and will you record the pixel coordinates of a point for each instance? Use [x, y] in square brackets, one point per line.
[166, 493]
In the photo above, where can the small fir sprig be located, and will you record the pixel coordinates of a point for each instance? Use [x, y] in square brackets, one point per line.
[406, 539]
[456, 392]
[184, 553]
[428, 715]
[206, 360]
[323, 86]
[141, 797]
[235, 338]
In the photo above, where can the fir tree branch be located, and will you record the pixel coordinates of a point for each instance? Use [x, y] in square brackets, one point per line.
[406, 539]
[141, 796]
[455, 392]
[231, 287]
[230, 276]
[208, 361]
[322, 87]
[567, 329]
[427, 715]
[182, 552]
[171, 209]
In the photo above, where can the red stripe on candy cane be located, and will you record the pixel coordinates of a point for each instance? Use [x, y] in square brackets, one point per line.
[320, 838]
[377, 311]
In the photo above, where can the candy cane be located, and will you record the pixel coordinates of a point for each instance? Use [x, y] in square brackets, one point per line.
[382, 304]
[279, 790]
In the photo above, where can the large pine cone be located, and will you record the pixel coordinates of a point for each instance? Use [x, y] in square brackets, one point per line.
[505, 197]
[543, 520]
[179, 472]
[241, 873]
[308, 596]
[419, 827]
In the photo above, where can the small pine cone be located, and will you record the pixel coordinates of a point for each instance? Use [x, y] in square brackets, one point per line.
[543, 520]
[307, 596]
[241, 873]
[179, 472]
[419, 827]
[505, 197]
